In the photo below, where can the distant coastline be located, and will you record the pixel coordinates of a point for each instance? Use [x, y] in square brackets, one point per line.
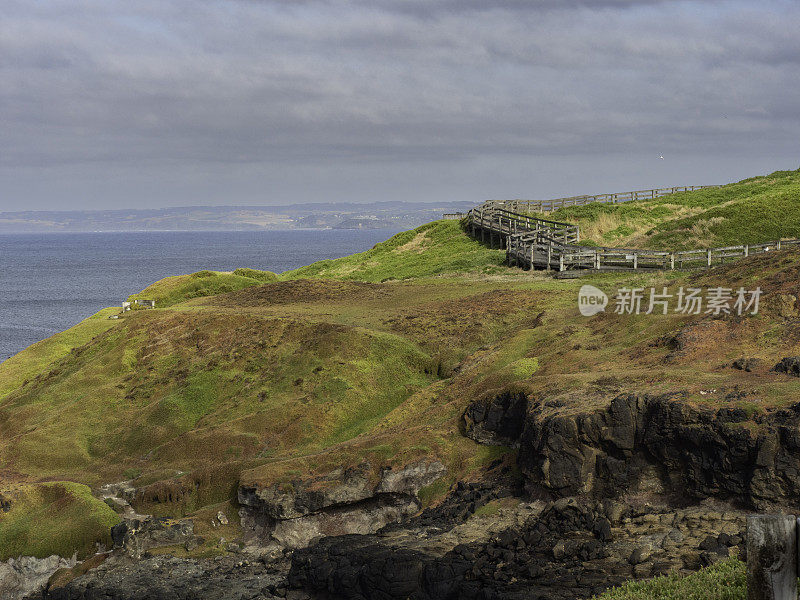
[315, 216]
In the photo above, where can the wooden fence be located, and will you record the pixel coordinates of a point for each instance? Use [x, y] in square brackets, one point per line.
[551, 205]
[535, 243]
[544, 253]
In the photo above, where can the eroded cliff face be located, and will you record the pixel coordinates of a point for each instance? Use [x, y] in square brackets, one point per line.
[552, 551]
[662, 446]
[288, 516]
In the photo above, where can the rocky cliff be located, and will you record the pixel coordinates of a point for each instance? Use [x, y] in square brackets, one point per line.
[290, 515]
[662, 446]
[644, 486]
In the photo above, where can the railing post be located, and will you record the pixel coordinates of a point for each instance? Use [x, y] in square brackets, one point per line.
[778, 245]
[746, 250]
[560, 262]
[709, 257]
[771, 557]
[635, 260]
[549, 255]
[672, 261]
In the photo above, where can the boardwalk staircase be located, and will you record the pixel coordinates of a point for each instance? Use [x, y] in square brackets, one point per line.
[535, 243]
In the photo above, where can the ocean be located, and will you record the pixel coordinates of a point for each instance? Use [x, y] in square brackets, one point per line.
[49, 282]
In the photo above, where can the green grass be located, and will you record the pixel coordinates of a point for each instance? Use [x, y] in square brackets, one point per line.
[256, 274]
[203, 389]
[437, 248]
[725, 580]
[755, 210]
[35, 360]
[179, 288]
[54, 518]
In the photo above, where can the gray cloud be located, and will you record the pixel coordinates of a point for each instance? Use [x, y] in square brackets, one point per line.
[172, 102]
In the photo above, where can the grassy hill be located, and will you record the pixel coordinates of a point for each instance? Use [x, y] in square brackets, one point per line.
[437, 248]
[250, 377]
[754, 210]
[65, 508]
[171, 290]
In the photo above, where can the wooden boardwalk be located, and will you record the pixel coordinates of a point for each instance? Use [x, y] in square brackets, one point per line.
[543, 206]
[536, 243]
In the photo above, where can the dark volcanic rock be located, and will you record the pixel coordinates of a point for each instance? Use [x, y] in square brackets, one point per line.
[136, 536]
[789, 365]
[169, 578]
[664, 445]
[746, 364]
[569, 550]
[497, 420]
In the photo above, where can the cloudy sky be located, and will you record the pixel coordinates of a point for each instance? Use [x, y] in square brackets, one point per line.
[153, 103]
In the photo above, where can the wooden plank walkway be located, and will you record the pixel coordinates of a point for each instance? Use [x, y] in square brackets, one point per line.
[536, 243]
[544, 206]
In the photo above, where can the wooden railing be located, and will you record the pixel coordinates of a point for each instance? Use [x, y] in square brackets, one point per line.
[543, 206]
[547, 253]
[537, 243]
[495, 220]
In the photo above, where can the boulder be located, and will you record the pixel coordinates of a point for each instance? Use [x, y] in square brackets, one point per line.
[134, 537]
[789, 365]
[746, 364]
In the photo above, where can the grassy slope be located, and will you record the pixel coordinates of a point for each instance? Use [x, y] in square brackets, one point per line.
[32, 361]
[437, 248]
[171, 290]
[755, 210]
[278, 381]
[54, 518]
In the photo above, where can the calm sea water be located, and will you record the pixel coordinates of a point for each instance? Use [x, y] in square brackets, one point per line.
[49, 282]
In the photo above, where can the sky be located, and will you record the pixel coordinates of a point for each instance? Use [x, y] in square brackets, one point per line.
[156, 103]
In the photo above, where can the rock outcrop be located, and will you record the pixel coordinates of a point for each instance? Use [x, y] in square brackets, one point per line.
[563, 550]
[134, 537]
[27, 575]
[498, 420]
[789, 365]
[170, 578]
[344, 501]
[640, 486]
[663, 446]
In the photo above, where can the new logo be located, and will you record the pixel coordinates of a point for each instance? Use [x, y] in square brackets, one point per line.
[591, 300]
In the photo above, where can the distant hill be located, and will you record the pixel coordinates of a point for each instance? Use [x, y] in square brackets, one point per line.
[390, 215]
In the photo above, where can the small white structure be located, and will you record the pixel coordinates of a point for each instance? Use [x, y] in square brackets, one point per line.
[126, 306]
